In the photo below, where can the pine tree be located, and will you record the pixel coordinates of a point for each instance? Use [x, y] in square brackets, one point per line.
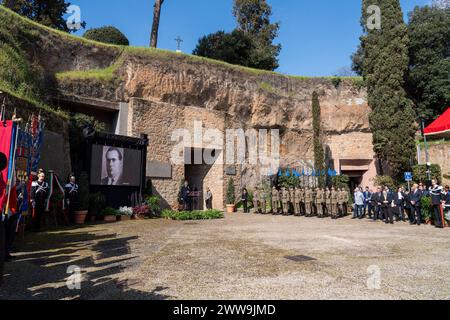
[253, 18]
[319, 154]
[429, 82]
[386, 61]
[47, 12]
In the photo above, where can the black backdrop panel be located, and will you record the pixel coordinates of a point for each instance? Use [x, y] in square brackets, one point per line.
[130, 170]
[134, 167]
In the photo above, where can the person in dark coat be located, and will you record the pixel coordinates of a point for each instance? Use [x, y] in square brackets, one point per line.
[39, 194]
[185, 192]
[399, 204]
[387, 203]
[244, 199]
[415, 198]
[408, 206]
[436, 193]
[376, 197]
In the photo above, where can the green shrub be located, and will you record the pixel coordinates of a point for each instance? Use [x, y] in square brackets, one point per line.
[153, 204]
[192, 215]
[96, 203]
[109, 212]
[107, 34]
[420, 172]
[385, 181]
[341, 182]
[231, 196]
[427, 213]
[289, 182]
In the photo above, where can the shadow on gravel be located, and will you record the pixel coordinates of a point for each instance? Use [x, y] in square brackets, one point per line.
[39, 271]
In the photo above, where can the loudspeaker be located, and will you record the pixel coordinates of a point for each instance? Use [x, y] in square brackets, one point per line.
[3, 161]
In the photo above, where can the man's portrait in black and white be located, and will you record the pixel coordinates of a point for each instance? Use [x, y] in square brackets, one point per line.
[112, 167]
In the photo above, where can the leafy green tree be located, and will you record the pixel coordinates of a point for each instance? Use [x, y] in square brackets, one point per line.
[429, 50]
[358, 60]
[47, 12]
[420, 173]
[319, 154]
[231, 195]
[386, 61]
[253, 18]
[107, 34]
[385, 181]
[341, 181]
[235, 47]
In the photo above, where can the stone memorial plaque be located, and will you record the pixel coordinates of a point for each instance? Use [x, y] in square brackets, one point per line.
[230, 171]
[158, 169]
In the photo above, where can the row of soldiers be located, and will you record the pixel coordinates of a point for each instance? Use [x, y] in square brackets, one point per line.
[303, 202]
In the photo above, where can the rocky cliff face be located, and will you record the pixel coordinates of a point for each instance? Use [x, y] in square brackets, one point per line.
[255, 99]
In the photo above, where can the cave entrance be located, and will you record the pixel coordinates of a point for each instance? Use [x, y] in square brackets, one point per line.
[202, 175]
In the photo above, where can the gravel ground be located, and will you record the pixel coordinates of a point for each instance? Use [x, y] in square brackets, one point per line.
[239, 257]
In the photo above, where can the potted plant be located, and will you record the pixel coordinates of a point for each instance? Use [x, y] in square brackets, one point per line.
[124, 213]
[153, 204]
[426, 210]
[83, 199]
[109, 214]
[231, 197]
[97, 202]
[141, 211]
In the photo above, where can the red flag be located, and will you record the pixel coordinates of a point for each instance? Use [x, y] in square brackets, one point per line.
[5, 146]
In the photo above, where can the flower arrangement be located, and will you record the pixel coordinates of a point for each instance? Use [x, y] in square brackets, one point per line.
[126, 211]
[141, 211]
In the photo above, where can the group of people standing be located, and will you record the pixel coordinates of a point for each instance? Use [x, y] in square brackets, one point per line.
[298, 201]
[40, 190]
[387, 205]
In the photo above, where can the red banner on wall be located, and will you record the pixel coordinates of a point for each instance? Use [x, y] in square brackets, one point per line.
[5, 146]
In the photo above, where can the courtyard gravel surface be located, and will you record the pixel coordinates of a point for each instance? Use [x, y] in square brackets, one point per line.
[243, 256]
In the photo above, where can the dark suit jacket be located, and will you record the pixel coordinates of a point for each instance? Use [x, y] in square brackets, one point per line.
[389, 198]
[416, 197]
[118, 183]
[397, 200]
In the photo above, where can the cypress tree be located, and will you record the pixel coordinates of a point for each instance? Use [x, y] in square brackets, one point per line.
[319, 154]
[385, 66]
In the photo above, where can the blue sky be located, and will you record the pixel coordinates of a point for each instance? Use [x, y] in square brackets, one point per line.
[318, 37]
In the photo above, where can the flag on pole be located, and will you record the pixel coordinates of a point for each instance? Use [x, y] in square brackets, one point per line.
[10, 183]
[37, 133]
[23, 169]
[5, 147]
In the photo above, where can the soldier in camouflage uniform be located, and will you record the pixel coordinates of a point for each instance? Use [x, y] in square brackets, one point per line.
[308, 202]
[340, 200]
[263, 201]
[302, 202]
[292, 200]
[275, 201]
[320, 196]
[285, 200]
[334, 201]
[326, 206]
[298, 201]
[345, 198]
[256, 200]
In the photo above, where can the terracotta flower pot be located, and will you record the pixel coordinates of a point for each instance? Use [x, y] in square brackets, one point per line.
[230, 208]
[110, 218]
[79, 217]
[123, 218]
